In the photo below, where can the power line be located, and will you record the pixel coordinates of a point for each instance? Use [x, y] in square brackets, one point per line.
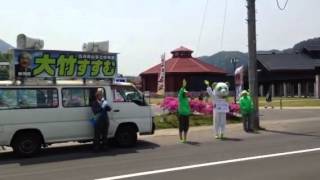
[202, 24]
[282, 8]
[224, 23]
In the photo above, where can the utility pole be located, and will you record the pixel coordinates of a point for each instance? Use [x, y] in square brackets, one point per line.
[252, 70]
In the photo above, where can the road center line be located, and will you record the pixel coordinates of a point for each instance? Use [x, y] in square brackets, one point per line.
[209, 164]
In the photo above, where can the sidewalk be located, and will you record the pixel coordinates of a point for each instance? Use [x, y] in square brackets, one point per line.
[234, 132]
[301, 107]
[233, 129]
[158, 110]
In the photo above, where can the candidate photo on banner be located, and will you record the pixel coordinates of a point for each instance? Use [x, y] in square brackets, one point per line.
[23, 65]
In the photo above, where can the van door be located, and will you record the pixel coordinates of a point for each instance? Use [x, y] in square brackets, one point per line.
[129, 106]
[76, 111]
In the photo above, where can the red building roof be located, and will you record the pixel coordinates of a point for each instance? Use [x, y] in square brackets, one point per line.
[183, 62]
[182, 49]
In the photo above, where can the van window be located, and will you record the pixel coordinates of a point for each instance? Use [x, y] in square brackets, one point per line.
[28, 98]
[79, 97]
[118, 95]
[127, 94]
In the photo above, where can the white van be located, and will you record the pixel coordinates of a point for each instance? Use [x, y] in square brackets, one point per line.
[34, 116]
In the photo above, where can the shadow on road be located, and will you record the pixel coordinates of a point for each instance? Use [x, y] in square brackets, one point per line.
[66, 153]
[231, 139]
[193, 143]
[292, 133]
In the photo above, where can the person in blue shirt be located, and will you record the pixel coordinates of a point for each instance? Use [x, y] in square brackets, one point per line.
[99, 108]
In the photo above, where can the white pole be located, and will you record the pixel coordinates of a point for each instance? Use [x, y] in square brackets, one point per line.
[164, 73]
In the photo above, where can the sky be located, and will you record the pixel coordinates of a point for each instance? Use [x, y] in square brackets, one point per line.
[141, 30]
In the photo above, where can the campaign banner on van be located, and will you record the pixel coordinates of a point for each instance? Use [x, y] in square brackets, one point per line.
[61, 64]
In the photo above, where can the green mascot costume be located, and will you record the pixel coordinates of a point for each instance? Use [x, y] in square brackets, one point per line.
[246, 108]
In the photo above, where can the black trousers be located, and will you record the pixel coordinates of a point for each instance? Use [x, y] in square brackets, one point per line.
[101, 129]
[183, 123]
[247, 125]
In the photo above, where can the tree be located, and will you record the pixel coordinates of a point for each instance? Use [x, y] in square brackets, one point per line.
[4, 70]
[1, 57]
[5, 57]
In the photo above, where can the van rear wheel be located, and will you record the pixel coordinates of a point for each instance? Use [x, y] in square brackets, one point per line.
[27, 145]
[126, 137]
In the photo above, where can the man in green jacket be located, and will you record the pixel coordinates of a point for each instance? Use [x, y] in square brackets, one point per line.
[246, 108]
[183, 112]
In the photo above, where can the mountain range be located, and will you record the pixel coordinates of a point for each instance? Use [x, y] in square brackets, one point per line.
[4, 46]
[223, 59]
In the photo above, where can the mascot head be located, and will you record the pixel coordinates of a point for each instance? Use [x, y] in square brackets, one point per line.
[221, 89]
[244, 93]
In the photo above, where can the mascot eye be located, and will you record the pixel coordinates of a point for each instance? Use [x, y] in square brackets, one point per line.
[219, 88]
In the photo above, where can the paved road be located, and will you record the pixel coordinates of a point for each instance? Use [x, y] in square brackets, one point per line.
[297, 167]
[287, 131]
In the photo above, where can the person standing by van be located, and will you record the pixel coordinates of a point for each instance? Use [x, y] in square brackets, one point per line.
[183, 112]
[99, 108]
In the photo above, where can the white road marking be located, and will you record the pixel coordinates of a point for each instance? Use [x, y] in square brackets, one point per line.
[209, 164]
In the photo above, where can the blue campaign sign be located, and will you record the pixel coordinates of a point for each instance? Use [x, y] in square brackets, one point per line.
[52, 63]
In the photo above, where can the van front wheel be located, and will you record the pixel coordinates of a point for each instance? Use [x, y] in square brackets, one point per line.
[27, 145]
[126, 137]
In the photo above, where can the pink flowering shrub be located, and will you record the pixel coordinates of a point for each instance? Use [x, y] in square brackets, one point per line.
[197, 107]
[170, 104]
[234, 107]
[208, 110]
[234, 110]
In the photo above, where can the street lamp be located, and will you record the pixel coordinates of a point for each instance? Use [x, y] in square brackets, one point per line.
[234, 62]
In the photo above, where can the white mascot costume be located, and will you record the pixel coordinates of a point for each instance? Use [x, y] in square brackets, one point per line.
[218, 94]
